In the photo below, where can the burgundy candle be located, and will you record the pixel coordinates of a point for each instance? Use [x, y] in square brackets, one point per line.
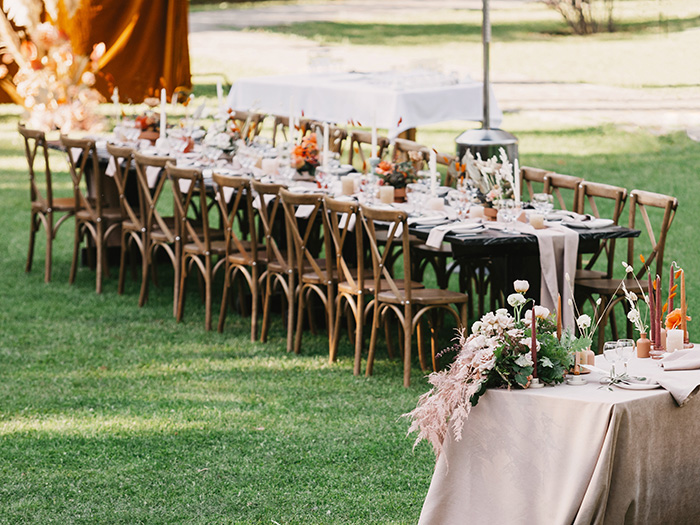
[534, 344]
[652, 313]
[658, 311]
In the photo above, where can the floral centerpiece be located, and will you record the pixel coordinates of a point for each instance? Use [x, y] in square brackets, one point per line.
[396, 174]
[52, 82]
[492, 179]
[497, 354]
[305, 156]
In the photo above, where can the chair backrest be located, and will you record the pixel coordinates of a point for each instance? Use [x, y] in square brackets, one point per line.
[534, 179]
[122, 157]
[270, 214]
[381, 253]
[555, 182]
[35, 142]
[235, 198]
[150, 197]
[343, 226]
[188, 187]
[85, 166]
[249, 122]
[361, 139]
[641, 203]
[303, 218]
[281, 125]
[613, 199]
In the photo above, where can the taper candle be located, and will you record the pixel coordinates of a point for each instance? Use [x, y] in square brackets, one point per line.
[670, 291]
[652, 310]
[684, 308]
[163, 119]
[658, 312]
[558, 315]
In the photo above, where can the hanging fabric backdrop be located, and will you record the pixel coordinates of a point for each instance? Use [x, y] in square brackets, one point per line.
[146, 43]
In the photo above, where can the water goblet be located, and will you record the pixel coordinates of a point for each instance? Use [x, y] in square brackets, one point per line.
[543, 202]
[610, 352]
[625, 349]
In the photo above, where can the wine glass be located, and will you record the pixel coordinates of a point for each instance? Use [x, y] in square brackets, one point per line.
[625, 349]
[543, 202]
[610, 352]
[508, 212]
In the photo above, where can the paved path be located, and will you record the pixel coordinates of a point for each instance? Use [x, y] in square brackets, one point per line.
[253, 53]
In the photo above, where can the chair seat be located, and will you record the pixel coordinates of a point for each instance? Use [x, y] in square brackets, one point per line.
[60, 204]
[584, 275]
[426, 296]
[107, 213]
[610, 286]
[347, 287]
[241, 259]
[217, 248]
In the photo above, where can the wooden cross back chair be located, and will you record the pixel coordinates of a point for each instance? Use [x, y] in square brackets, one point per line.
[408, 304]
[279, 271]
[303, 217]
[555, 182]
[281, 126]
[199, 242]
[133, 229]
[161, 230]
[46, 210]
[534, 179]
[248, 122]
[93, 218]
[243, 260]
[361, 139]
[590, 195]
[641, 203]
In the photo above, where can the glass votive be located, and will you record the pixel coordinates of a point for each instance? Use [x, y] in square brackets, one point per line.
[436, 204]
[537, 221]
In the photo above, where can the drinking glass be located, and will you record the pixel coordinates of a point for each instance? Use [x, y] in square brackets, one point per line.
[508, 212]
[543, 202]
[625, 349]
[610, 352]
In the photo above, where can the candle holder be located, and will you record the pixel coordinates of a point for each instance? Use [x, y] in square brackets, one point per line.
[373, 163]
[576, 380]
[535, 383]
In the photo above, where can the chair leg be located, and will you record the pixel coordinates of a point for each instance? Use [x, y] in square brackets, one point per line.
[300, 322]
[178, 267]
[207, 293]
[32, 238]
[49, 247]
[76, 249]
[254, 298]
[408, 317]
[180, 305]
[266, 307]
[420, 341]
[99, 249]
[372, 339]
[359, 335]
[333, 348]
[122, 262]
[224, 300]
[290, 312]
[433, 340]
[145, 268]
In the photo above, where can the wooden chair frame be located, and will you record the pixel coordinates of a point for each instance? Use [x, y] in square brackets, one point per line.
[401, 300]
[46, 210]
[92, 218]
[242, 257]
[360, 138]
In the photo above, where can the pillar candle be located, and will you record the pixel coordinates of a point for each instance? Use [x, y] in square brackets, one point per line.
[534, 343]
[386, 194]
[373, 152]
[163, 119]
[674, 340]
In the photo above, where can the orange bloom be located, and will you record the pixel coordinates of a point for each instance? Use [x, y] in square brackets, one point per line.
[673, 319]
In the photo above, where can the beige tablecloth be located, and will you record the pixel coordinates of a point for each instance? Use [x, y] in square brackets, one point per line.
[568, 455]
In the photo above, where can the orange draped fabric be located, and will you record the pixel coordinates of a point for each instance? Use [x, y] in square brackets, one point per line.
[147, 46]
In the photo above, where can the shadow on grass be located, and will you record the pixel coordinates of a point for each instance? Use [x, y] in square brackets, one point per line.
[443, 33]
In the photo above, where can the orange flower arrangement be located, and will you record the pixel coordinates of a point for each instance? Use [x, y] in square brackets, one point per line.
[305, 155]
[674, 319]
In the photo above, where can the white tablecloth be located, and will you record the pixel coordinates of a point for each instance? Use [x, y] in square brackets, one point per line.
[368, 98]
[572, 454]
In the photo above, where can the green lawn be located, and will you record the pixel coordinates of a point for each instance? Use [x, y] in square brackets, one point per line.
[111, 413]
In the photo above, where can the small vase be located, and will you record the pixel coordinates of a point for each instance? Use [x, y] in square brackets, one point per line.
[399, 194]
[643, 346]
[490, 213]
[588, 357]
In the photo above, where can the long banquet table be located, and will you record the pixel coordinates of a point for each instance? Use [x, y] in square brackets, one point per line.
[572, 454]
[386, 99]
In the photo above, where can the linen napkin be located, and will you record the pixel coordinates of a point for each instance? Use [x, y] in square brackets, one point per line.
[437, 234]
[558, 247]
[682, 360]
[681, 375]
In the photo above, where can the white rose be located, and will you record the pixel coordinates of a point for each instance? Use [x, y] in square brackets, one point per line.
[583, 322]
[485, 360]
[521, 286]
[516, 299]
[633, 316]
[476, 327]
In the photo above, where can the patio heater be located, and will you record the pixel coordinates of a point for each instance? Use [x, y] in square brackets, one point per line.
[486, 141]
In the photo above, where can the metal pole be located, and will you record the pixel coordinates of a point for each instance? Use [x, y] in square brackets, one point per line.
[486, 40]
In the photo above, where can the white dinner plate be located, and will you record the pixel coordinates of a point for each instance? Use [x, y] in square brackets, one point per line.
[432, 220]
[467, 227]
[589, 224]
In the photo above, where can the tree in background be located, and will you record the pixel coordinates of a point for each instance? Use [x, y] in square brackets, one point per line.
[585, 17]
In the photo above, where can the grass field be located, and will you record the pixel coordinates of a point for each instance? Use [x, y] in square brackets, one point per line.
[111, 413]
